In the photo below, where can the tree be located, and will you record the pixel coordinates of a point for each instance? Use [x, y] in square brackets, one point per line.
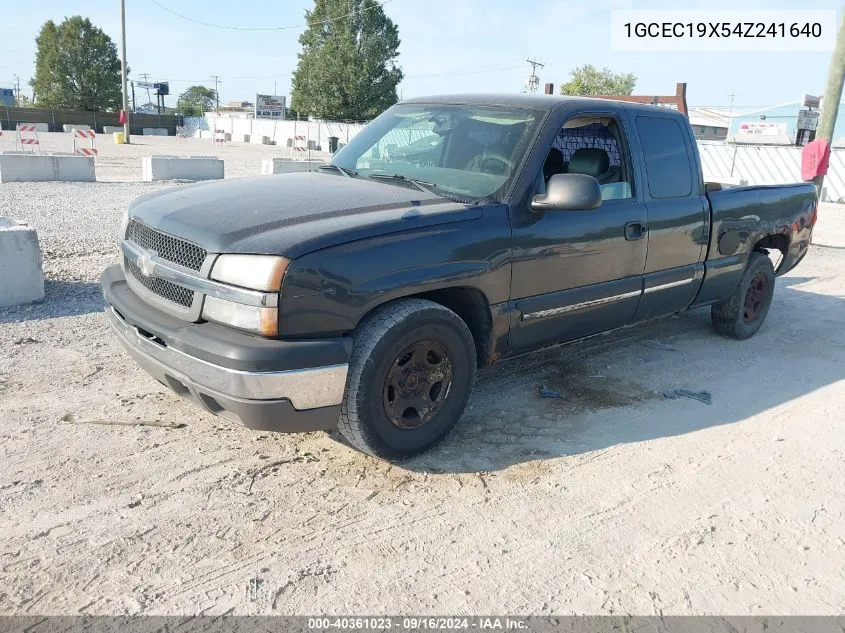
[588, 80]
[76, 67]
[196, 101]
[347, 68]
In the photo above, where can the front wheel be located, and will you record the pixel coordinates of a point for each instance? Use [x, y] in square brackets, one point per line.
[410, 377]
[742, 314]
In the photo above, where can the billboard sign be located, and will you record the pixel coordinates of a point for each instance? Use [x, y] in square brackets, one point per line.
[269, 107]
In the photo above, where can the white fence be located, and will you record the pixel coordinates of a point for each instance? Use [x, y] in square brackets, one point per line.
[768, 165]
[281, 133]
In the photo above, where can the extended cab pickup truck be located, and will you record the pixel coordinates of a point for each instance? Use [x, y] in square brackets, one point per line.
[450, 233]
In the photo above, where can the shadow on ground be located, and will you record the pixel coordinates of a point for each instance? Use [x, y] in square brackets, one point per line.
[609, 390]
[61, 299]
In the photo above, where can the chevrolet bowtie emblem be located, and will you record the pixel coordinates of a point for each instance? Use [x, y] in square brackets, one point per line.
[147, 265]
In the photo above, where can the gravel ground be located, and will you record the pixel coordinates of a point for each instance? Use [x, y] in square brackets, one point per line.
[611, 500]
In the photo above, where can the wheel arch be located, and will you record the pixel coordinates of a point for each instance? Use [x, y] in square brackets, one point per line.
[472, 307]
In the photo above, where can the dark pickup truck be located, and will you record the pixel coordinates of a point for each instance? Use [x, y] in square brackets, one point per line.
[451, 233]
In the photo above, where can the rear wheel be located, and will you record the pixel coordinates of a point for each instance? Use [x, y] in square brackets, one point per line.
[410, 377]
[742, 314]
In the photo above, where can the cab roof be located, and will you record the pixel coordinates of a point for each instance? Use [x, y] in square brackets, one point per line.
[542, 102]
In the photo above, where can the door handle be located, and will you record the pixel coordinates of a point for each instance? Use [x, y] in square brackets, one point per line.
[635, 231]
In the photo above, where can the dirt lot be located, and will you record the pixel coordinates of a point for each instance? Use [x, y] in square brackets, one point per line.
[611, 499]
[122, 163]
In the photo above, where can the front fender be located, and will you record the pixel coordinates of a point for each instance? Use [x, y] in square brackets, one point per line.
[329, 291]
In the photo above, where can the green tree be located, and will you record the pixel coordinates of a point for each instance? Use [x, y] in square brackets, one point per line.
[347, 68]
[76, 66]
[196, 101]
[588, 80]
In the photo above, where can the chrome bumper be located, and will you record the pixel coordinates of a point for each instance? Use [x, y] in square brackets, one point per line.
[310, 388]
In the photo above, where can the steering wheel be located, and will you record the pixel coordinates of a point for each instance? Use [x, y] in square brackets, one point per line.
[496, 164]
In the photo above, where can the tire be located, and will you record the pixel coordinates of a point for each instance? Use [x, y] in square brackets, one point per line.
[383, 379]
[742, 314]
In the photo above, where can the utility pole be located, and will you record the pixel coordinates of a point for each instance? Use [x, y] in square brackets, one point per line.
[216, 94]
[17, 91]
[144, 77]
[123, 70]
[533, 80]
[832, 96]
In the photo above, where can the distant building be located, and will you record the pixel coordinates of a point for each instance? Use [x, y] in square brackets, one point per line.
[709, 124]
[237, 106]
[781, 120]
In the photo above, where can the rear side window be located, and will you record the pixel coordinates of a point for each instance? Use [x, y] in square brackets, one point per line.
[667, 160]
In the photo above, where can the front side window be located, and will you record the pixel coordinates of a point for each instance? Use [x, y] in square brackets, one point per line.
[456, 150]
[592, 145]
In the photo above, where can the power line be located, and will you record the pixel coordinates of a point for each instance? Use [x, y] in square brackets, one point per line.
[508, 65]
[259, 28]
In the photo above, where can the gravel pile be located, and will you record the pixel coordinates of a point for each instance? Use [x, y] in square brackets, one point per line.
[77, 226]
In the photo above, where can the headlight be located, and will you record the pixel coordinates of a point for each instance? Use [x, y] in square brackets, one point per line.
[257, 272]
[263, 321]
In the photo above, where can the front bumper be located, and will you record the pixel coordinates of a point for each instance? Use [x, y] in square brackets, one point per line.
[264, 384]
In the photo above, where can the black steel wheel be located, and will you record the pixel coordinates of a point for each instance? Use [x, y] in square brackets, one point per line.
[417, 384]
[742, 314]
[410, 377]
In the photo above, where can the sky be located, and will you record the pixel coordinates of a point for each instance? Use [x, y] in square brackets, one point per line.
[448, 46]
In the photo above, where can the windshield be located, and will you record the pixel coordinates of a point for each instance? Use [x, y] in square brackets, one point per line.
[454, 150]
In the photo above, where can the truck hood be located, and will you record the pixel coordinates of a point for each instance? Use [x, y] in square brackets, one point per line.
[292, 214]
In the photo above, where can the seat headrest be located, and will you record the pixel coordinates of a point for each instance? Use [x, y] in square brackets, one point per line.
[591, 161]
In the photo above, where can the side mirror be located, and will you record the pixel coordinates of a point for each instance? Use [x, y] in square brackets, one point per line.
[568, 192]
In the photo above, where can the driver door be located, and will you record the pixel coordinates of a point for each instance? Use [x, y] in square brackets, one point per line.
[578, 273]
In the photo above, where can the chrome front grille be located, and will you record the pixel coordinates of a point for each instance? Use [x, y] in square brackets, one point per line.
[167, 247]
[163, 288]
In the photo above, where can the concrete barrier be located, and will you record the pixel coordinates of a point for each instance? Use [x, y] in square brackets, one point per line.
[181, 168]
[154, 131]
[39, 127]
[26, 167]
[69, 127]
[271, 166]
[111, 129]
[259, 140]
[20, 256]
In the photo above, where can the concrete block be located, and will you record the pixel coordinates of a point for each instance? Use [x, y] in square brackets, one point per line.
[69, 127]
[181, 168]
[26, 167]
[39, 127]
[20, 257]
[271, 166]
[111, 129]
[259, 140]
[246, 138]
[154, 131]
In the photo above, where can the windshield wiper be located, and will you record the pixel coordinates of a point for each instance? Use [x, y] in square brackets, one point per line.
[422, 185]
[343, 170]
